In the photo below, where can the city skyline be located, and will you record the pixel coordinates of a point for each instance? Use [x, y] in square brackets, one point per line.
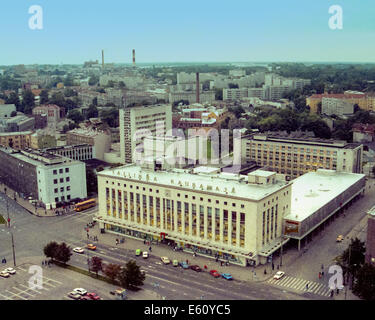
[168, 32]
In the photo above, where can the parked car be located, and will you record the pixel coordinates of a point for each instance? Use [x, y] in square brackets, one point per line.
[90, 246]
[78, 250]
[138, 252]
[74, 295]
[10, 270]
[165, 260]
[196, 268]
[175, 263]
[214, 273]
[279, 275]
[184, 265]
[145, 254]
[339, 238]
[4, 274]
[227, 276]
[80, 291]
[93, 296]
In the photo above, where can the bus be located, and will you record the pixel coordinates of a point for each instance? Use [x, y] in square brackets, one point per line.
[85, 205]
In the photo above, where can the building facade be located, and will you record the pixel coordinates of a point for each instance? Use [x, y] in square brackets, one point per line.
[43, 176]
[295, 156]
[79, 152]
[16, 140]
[138, 122]
[370, 241]
[221, 215]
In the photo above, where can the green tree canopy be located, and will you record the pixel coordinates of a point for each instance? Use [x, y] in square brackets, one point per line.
[364, 286]
[50, 250]
[131, 276]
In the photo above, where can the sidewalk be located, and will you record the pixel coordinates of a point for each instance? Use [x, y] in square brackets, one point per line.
[37, 211]
[238, 272]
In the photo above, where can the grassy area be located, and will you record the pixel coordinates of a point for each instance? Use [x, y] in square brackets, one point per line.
[2, 220]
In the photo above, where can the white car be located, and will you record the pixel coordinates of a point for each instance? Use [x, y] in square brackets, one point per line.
[165, 260]
[80, 291]
[74, 295]
[10, 270]
[145, 254]
[78, 250]
[4, 274]
[279, 275]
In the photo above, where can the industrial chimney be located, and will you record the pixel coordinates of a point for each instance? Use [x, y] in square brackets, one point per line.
[197, 87]
[102, 58]
[133, 57]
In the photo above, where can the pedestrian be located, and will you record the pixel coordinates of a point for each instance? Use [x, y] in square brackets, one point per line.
[273, 266]
[331, 293]
[337, 291]
[187, 261]
[307, 286]
[42, 263]
[322, 273]
[277, 267]
[150, 249]
[144, 241]
[221, 263]
[217, 259]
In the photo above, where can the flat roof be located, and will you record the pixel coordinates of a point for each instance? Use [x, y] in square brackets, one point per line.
[215, 183]
[313, 190]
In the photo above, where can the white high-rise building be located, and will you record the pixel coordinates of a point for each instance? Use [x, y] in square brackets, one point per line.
[138, 122]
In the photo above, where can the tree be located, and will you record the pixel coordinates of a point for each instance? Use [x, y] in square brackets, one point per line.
[68, 81]
[91, 181]
[96, 265]
[44, 96]
[364, 286]
[93, 80]
[131, 276]
[92, 112]
[76, 116]
[13, 99]
[28, 101]
[58, 99]
[13, 114]
[112, 271]
[352, 259]
[121, 84]
[111, 117]
[218, 94]
[50, 250]
[63, 253]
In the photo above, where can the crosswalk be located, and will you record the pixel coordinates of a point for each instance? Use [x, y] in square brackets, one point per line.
[22, 291]
[300, 284]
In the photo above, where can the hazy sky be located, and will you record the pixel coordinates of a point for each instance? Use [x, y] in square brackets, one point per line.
[193, 30]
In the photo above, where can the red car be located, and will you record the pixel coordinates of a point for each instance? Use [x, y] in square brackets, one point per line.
[196, 268]
[93, 296]
[214, 273]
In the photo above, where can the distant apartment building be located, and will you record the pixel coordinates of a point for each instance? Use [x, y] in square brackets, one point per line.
[295, 155]
[231, 217]
[204, 96]
[363, 132]
[99, 139]
[79, 152]
[53, 112]
[338, 107]
[137, 122]
[19, 123]
[353, 98]
[43, 176]
[41, 140]
[16, 140]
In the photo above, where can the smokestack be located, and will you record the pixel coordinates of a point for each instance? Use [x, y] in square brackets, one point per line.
[102, 58]
[134, 57]
[197, 87]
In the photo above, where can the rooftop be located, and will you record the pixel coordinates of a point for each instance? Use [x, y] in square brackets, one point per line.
[313, 190]
[215, 183]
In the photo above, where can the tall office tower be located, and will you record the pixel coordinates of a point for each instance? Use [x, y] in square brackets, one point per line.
[136, 122]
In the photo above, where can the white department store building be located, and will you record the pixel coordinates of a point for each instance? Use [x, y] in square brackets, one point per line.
[226, 216]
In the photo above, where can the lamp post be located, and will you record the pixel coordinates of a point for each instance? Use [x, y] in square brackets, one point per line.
[11, 233]
[88, 260]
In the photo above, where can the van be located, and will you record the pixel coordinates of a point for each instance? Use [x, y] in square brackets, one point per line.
[145, 255]
[138, 252]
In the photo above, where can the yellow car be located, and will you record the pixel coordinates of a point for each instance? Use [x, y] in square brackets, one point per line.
[165, 260]
[340, 238]
[90, 246]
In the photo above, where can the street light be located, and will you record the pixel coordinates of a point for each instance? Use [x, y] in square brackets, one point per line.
[11, 233]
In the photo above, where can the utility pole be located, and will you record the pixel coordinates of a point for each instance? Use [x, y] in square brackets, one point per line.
[281, 251]
[11, 233]
[347, 282]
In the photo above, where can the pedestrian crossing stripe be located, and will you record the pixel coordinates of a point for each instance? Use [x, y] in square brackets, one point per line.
[300, 284]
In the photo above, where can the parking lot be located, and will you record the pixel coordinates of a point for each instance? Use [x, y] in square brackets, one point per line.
[56, 284]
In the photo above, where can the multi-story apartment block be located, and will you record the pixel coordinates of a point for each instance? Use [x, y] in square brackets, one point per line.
[16, 140]
[354, 98]
[99, 139]
[43, 176]
[296, 155]
[79, 152]
[204, 96]
[338, 107]
[221, 215]
[138, 122]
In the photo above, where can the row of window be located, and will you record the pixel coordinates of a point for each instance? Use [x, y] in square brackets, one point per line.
[61, 171]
